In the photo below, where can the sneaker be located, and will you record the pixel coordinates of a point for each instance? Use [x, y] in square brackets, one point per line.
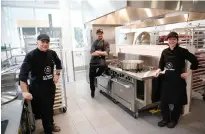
[162, 123]
[92, 94]
[172, 124]
[56, 128]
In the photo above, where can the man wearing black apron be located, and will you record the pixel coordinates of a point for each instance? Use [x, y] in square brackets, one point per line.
[173, 94]
[99, 49]
[40, 63]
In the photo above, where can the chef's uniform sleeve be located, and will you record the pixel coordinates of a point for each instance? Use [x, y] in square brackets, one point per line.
[57, 61]
[192, 59]
[107, 47]
[92, 50]
[161, 61]
[25, 68]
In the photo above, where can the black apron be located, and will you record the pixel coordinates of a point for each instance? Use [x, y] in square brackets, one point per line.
[156, 89]
[42, 84]
[173, 86]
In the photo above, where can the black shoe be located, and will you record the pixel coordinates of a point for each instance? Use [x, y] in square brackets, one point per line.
[162, 123]
[172, 124]
[92, 94]
[56, 128]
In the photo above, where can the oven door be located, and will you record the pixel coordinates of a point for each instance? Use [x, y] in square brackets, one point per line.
[104, 81]
[123, 91]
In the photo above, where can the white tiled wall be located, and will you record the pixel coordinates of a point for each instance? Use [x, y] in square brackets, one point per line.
[152, 50]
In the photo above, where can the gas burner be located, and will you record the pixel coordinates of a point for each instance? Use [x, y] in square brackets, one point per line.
[134, 71]
[145, 69]
[115, 63]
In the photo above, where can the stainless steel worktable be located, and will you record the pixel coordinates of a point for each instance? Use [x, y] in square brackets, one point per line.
[12, 112]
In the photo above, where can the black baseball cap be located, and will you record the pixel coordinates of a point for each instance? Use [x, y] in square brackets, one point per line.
[99, 31]
[173, 35]
[43, 37]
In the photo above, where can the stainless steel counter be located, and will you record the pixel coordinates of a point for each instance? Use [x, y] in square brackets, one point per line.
[12, 112]
[139, 76]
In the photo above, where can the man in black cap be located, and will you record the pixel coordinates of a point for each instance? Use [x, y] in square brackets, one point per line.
[173, 94]
[100, 48]
[40, 63]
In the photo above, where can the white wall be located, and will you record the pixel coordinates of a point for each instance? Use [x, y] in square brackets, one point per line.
[159, 28]
[148, 49]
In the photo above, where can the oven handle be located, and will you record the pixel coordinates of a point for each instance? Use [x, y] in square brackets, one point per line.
[126, 86]
[105, 76]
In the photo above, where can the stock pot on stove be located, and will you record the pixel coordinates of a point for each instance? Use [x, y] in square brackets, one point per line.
[132, 64]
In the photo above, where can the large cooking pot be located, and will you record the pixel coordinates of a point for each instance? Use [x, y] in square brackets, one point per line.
[132, 64]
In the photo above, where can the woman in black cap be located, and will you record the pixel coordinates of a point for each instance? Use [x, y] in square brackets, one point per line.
[173, 94]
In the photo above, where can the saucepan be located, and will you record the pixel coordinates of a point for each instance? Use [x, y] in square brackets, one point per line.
[132, 64]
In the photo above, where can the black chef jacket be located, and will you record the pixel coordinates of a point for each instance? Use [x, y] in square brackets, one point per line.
[40, 65]
[173, 86]
[99, 45]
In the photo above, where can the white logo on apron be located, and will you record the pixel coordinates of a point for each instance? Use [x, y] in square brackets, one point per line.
[169, 66]
[47, 71]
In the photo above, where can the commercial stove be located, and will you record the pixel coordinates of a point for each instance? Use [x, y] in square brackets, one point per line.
[130, 88]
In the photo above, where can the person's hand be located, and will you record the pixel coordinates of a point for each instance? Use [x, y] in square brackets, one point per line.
[157, 73]
[27, 95]
[184, 75]
[102, 53]
[96, 53]
[99, 52]
[56, 78]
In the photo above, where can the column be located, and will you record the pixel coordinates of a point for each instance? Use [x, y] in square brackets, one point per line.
[67, 39]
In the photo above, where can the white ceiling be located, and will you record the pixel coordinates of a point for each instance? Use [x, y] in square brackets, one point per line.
[46, 4]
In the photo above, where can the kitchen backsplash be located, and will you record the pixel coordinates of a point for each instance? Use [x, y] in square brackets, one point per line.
[149, 50]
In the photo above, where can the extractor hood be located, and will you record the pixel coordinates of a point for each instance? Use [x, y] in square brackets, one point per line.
[161, 11]
[191, 16]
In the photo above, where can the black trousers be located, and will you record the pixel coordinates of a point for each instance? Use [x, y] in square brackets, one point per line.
[93, 73]
[42, 104]
[171, 115]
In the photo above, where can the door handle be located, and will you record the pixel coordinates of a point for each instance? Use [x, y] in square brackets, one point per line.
[126, 86]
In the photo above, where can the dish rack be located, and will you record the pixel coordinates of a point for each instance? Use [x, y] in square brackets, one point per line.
[194, 37]
[198, 76]
[60, 101]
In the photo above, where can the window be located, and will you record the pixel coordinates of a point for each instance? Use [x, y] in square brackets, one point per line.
[77, 28]
[78, 36]
[29, 31]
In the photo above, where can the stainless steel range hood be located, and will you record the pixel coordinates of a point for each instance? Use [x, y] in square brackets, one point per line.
[191, 16]
[162, 12]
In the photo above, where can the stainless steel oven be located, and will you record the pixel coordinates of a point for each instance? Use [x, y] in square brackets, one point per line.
[124, 92]
[104, 83]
